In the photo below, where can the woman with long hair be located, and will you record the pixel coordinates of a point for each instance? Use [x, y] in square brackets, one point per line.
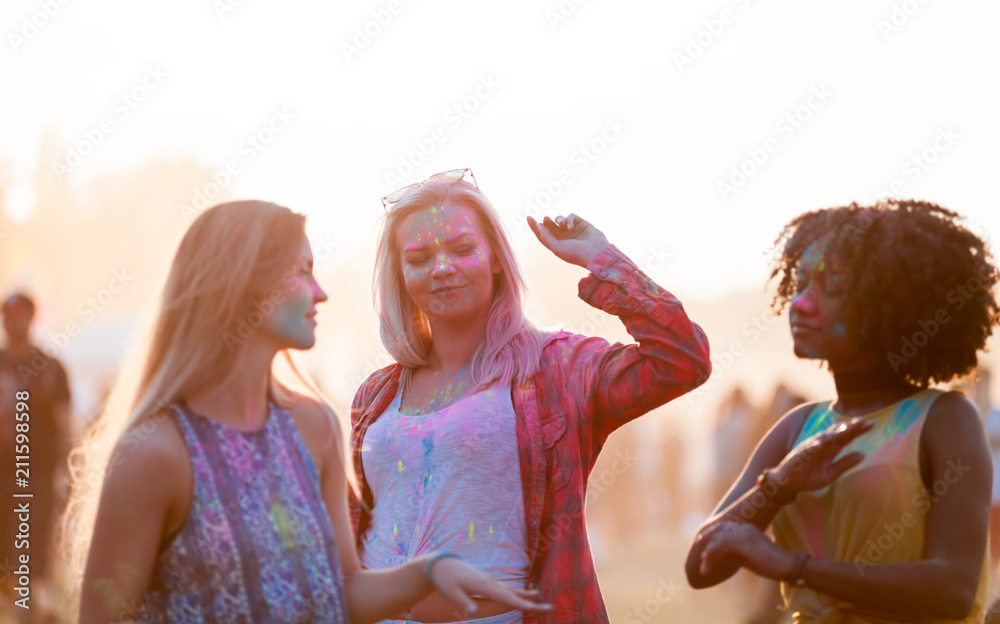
[878, 500]
[217, 492]
[481, 437]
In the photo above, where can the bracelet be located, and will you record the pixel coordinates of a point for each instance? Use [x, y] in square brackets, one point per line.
[435, 559]
[798, 575]
[766, 482]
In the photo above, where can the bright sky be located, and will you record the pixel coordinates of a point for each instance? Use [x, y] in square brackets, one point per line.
[631, 114]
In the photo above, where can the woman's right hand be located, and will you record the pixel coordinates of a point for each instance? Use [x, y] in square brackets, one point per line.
[813, 465]
[459, 582]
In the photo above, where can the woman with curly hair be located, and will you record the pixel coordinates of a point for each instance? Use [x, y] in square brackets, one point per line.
[878, 500]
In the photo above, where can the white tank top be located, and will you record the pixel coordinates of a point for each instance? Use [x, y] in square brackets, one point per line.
[447, 481]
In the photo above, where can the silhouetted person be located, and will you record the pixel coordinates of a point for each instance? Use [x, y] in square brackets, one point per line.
[732, 443]
[24, 368]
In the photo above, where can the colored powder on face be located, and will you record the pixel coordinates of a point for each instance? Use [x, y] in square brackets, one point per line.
[839, 330]
[491, 529]
[401, 465]
[470, 531]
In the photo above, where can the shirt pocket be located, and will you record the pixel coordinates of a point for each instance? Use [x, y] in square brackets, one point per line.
[553, 430]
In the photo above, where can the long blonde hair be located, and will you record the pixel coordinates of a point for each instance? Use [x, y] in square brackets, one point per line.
[225, 262]
[512, 346]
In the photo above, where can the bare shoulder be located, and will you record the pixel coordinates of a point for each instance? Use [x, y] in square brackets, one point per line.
[789, 427]
[317, 424]
[952, 420]
[151, 467]
[154, 442]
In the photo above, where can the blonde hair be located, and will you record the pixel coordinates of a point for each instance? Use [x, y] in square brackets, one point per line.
[512, 347]
[228, 259]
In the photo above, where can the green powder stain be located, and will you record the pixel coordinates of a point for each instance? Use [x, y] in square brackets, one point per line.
[279, 516]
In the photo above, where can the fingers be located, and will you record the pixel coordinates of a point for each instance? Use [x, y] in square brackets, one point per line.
[718, 540]
[456, 594]
[709, 532]
[852, 429]
[840, 435]
[530, 595]
[561, 224]
[522, 599]
[566, 222]
[543, 234]
[717, 550]
[845, 463]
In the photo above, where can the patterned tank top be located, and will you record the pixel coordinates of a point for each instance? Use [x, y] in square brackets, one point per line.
[874, 514]
[257, 544]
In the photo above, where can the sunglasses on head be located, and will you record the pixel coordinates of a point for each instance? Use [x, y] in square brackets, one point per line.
[445, 176]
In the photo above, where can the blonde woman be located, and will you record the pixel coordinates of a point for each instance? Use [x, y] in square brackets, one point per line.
[481, 438]
[224, 489]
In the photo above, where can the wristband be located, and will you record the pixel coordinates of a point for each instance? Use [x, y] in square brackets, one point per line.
[435, 559]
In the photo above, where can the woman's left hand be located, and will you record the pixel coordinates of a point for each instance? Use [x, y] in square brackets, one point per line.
[570, 238]
[747, 546]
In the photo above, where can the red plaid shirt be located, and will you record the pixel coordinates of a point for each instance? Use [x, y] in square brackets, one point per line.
[584, 389]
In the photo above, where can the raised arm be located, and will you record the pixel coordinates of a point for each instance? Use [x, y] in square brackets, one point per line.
[943, 584]
[671, 353]
[745, 501]
[811, 465]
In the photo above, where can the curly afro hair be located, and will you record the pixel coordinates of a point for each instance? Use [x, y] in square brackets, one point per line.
[919, 283]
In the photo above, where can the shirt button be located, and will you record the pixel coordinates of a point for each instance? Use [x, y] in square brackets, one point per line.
[604, 272]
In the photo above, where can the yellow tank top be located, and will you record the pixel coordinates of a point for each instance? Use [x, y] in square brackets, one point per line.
[874, 514]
